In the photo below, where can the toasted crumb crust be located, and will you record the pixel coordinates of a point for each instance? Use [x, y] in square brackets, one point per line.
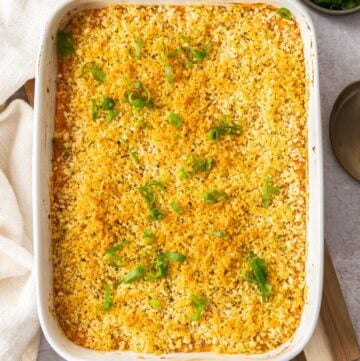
[255, 74]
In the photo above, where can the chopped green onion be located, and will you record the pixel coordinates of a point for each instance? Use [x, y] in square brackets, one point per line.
[200, 54]
[107, 103]
[184, 37]
[139, 43]
[135, 275]
[137, 98]
[155, 303]
[84, 69]
[175, 256]
[194, 166]
[258, 275]
[108, 300]
[215, 196]
[148, 234]
[175, 119]
[138, 85]
[199, 302]
[135, 156]
[158, 184]
[284, 13]
[149, 195]
[94, 109]
[111, 256]
[117, 247]
[97, 73]
[176, 207]
[168, 74]
[65, 44]
[174, 53]
[202, 165]
[155, 215]
[115, 260]
[269, 191]
[183, 174]
[111, 115]
[214, 134]
[223, 129]
[219, 234]
[159, 267]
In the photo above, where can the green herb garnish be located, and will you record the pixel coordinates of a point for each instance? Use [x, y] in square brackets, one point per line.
[215, 196]
[224, 129]
[155, 303]
[269, 191]
[258, 275]
[139, 97]
[138, 47]
[148, 193]
[107, 103]
[176, 207]
[65, 44]
[97, 73]
[219, 234]
[111, 115]
[199, 55]
[174, 53]
[115, 260]
[175, 256]
[159, 267]
[158, 184]
[337, 4]
[148, 236]
[94, 109]
[168, 74]
[108, 300]
[110, 254]
[117, 247]
[135, 275]
[137, 100]
[175, 119]
[284, 13]
[135, 156]
[194, 166]
[199, 302]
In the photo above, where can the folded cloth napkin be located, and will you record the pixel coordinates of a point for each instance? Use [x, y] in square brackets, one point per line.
[19, 325]
[21, 25]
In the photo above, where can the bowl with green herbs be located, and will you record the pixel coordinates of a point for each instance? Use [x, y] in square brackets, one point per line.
[335, 7]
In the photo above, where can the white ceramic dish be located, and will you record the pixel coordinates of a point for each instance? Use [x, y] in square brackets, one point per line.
[43, 130]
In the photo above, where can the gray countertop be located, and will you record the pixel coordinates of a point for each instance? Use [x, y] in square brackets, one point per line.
[339, 63]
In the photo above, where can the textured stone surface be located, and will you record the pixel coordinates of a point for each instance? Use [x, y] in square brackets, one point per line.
[339, 62]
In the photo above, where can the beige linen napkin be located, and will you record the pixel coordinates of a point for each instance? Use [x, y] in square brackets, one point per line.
[21, 25]
[19, 325]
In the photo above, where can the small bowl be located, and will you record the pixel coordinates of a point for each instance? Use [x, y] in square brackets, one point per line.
[331, 12]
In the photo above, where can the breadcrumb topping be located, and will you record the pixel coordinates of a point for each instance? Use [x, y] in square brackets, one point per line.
[252, 76]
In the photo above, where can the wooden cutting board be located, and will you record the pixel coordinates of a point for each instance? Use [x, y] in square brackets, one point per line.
[334, 338]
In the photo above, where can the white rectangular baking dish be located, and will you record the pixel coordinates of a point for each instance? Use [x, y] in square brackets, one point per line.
[42, 152]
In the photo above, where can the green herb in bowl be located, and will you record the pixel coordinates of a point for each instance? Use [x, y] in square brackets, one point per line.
[337, 4]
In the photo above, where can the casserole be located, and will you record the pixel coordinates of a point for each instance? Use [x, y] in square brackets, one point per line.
[313, 266]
